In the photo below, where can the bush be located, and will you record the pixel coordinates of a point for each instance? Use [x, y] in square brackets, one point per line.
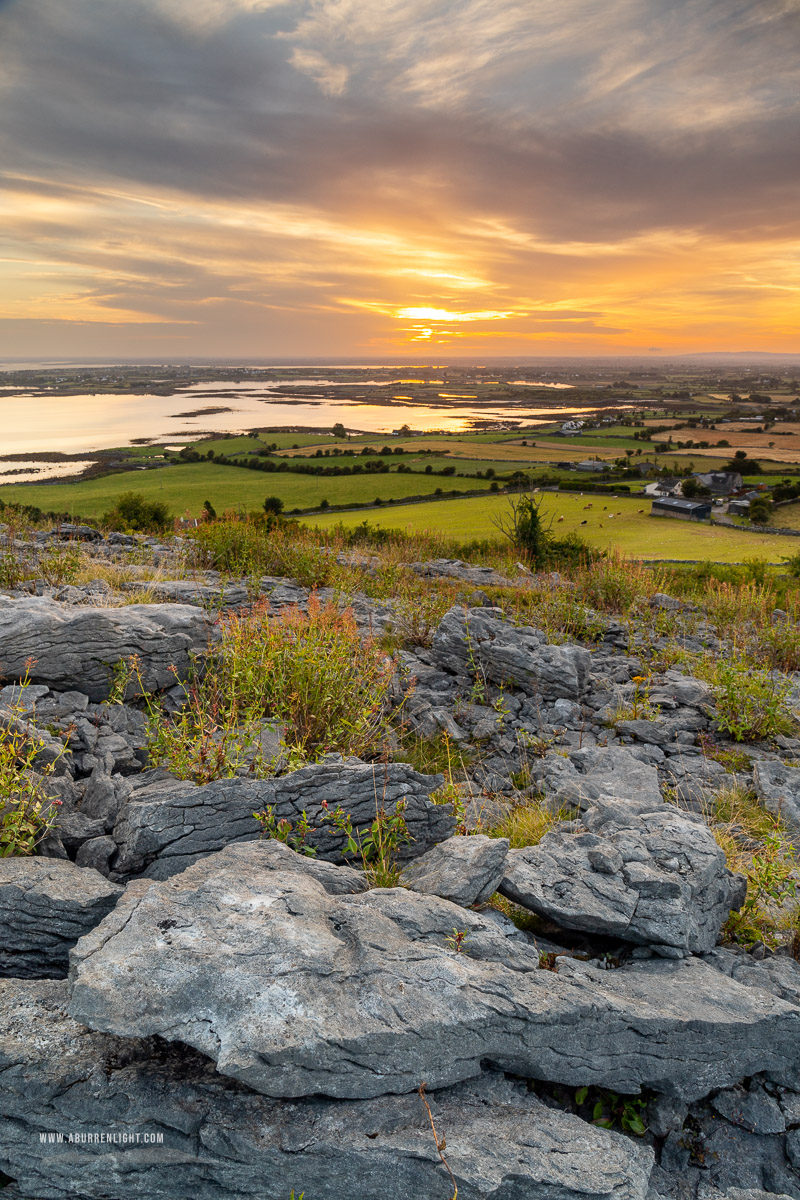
[751, 701]
[309, 671]
[760, 511]
[27, 812]
[134, 511]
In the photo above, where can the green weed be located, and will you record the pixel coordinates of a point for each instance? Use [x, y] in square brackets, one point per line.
[309, 671]
[27, 811]
[751, 701]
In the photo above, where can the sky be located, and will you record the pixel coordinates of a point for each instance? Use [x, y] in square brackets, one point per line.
[402, 179]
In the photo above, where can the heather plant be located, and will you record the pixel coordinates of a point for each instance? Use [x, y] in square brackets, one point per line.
[638, 707]
[375, 847]
[295, 836]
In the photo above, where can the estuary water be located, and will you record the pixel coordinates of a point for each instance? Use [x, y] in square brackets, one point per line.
[34, 423]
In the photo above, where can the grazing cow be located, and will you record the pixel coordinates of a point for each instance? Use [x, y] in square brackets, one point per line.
[584, 522]
[559, 519]
[640, 510]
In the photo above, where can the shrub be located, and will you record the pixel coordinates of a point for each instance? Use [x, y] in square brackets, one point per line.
[135, 511]
[309, 671]
[760, 511]
[751, 701]
[613, 585]
[27, 812]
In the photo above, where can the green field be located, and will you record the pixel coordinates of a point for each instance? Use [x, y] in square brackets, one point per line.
[633, 532]
[185, 489]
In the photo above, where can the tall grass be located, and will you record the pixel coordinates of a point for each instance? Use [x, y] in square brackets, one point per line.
[310, 672]
[27, 810]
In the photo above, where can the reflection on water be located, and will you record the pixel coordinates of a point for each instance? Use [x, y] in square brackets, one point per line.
[539, 383]
[31, 471]
[31, 424]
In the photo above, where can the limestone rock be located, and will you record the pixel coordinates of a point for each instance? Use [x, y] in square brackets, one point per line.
[580, 780]
[296, 992]
[46, 904]
[753, 1109]
[466, 870]
[77, 647]
[778, 785]
[171, 823]
[455, 568]
[657, 879]
[480, 638]
[223, 1142]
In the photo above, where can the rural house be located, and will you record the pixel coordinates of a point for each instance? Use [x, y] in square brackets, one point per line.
[720, 483]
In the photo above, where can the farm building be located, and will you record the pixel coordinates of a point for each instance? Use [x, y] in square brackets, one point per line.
[591, 464]
[720, 483]
[684, 510]
[669, 486]
[739, 508]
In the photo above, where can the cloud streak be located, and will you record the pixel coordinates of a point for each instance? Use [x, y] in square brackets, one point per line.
[254, 171]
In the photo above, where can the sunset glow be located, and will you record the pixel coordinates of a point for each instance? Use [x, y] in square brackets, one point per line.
[312, 178]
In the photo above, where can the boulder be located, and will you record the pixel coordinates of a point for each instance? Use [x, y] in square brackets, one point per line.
[751, 1108]
[589, 774]
[297, 992]
[188, 591]
[466, 870]
[77, 647]
[777, 974]
[455, 568]
[164, 827]
[46, 904]
[778, 786]
[77, 533]
[469, 640]
[189, 1132]
[656, 879]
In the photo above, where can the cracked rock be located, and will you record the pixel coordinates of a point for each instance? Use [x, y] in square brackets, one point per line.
[469, 640]
[222, 1141]
[46, 904]
[658, 879]
[466, 870]
[77, 647]
[296, 992]
[166, 826]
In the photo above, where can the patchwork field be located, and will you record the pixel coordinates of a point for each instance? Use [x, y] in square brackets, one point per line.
[185, 489]
[610, 523]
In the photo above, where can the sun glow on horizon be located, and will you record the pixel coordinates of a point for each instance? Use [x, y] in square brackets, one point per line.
[443, 314]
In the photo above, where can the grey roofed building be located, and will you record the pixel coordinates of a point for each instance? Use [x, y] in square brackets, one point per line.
[667, 486]
[591, 464]
[684, 510]
[720, 483]
[739, 508]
